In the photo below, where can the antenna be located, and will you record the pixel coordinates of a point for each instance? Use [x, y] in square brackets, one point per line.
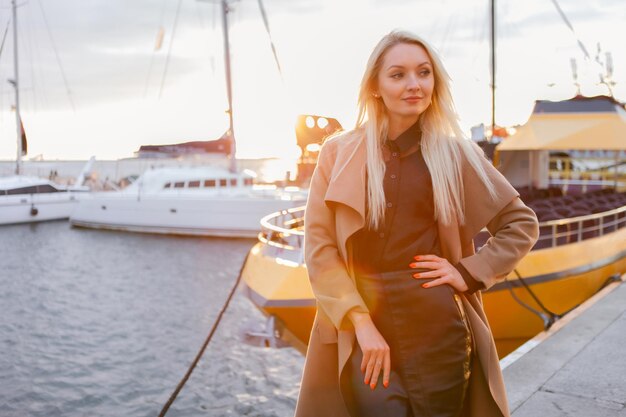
[574, 67]
[607, 77]
[598, 53]
[609, 64]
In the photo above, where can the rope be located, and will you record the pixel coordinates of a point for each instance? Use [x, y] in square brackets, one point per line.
[571, 28]
[547, 316]
[269, 35]
[169, 49]
[537, 300]
[56, 54]
[182, 382]
[613, 278]
[4, 37]
[547, 321]
[154, 51]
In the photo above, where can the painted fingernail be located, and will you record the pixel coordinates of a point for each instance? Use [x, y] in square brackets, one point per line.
[372, 386]
[417, 258]
[424, 285]
[416, 275]
[365, 381]
[386, 384]
[412, 265]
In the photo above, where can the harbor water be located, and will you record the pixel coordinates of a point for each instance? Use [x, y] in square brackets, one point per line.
[100, 323]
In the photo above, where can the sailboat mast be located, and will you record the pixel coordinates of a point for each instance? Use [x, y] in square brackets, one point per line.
[493, 66]
[18, 121]
[229, 89]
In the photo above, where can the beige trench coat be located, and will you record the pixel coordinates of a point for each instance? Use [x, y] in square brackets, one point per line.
[336, 210]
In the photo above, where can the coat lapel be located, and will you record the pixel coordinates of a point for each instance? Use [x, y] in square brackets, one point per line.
[347, 182]
[449, 240]
[347, 188]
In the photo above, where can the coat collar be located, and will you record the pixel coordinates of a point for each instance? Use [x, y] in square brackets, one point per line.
[347, 181]
[347, 186]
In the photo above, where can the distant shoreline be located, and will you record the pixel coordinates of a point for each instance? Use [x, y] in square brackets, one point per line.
[267, 169]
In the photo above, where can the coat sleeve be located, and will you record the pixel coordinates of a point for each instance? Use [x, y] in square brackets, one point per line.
[334, 290]
[514, 231]
[513, 226]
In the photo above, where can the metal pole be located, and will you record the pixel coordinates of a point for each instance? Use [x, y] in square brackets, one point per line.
[616, 154]
[493, 67]
[18, 161]
[229, 90]
[530, 170]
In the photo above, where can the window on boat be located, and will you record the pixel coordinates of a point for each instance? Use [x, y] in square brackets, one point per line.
[23, 190]
[209, 183]
[179, 184]
[223, 183]
[168, 185]
[46, 188]
[233, 182]
[194, 184]
[247, 181]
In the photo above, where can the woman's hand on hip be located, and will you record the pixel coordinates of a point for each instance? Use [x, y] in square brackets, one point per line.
[441, 270]
[376, 356]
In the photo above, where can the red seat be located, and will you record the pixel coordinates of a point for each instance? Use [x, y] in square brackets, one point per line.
[547, 231]
[590, 228]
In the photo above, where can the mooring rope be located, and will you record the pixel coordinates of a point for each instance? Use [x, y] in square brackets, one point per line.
[553, 316]
[182, 382]
[547, 316]
[547, 320]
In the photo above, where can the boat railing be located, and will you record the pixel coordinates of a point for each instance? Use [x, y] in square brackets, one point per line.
[285, 229]
[575, 229]
[569, 185]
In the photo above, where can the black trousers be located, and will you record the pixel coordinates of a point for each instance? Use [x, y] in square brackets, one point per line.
[430, 344]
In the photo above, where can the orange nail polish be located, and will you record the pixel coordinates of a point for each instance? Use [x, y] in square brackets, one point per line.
[372, 386]
[424, 285]
[416, 275]
[386, 384]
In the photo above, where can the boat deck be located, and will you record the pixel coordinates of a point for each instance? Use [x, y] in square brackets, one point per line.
[578, 367]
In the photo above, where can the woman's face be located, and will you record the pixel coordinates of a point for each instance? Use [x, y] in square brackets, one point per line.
[406, 81]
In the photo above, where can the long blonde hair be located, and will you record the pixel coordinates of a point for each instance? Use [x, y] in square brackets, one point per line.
[442, 139]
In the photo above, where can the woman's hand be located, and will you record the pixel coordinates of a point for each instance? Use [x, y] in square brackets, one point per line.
[440, 269]
[375, 350]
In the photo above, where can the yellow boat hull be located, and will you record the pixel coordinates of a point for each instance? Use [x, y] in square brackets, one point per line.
[561, 278]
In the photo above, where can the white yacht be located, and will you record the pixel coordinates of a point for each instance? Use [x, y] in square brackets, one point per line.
[204, 201]
[25, 199]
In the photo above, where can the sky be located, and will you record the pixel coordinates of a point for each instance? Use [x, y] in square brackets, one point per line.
[92, 81]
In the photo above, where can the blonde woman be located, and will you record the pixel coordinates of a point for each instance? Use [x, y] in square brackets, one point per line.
[392, 210]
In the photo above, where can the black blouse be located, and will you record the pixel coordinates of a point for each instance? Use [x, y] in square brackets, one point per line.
[409, 228]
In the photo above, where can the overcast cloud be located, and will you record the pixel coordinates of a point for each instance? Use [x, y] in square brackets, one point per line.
[114, 74]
